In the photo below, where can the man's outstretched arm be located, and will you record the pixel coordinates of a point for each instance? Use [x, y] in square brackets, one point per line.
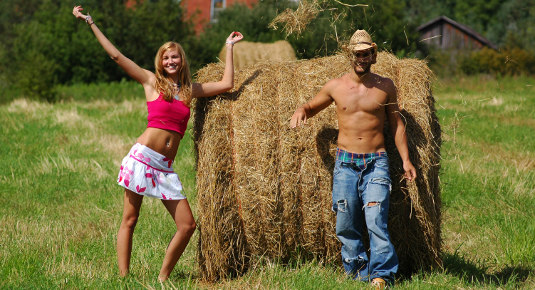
[309, 109]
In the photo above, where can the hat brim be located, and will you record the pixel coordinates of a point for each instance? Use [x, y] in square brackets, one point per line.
[360, 46]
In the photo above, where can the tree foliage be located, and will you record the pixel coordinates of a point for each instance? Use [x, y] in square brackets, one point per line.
[47, 45]
[43, 45]
[332, 27]
[514, 25]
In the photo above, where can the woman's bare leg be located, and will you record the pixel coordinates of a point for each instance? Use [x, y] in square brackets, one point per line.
[185, 224]
[132, 204]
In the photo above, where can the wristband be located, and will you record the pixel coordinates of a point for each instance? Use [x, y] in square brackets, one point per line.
[229, 42]
[89, 20]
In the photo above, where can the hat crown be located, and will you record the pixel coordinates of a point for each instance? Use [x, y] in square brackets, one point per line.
[360, 40]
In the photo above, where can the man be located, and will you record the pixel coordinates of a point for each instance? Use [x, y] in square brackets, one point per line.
[361, 180]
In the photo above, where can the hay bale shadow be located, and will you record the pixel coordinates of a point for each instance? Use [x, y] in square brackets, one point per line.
[325, 141]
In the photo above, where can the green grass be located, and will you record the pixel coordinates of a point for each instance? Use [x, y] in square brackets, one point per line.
[488, 179]
[60, 207]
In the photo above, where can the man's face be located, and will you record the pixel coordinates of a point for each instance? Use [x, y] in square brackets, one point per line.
[361, 60]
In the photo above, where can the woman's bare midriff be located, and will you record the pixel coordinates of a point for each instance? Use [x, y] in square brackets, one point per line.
[162, 141]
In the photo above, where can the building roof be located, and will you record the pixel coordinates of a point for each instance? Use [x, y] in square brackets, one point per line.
[465, 29]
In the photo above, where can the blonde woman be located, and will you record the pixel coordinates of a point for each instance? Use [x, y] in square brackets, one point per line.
[146, 170]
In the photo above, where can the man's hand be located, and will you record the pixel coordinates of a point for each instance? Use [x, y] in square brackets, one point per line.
[299, 118]
[410, 171]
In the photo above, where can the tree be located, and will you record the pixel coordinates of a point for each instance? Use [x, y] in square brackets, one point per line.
[51, 47]
[514, 25]
[334, 25]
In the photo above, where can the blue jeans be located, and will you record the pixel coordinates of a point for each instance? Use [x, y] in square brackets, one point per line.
[361, 190]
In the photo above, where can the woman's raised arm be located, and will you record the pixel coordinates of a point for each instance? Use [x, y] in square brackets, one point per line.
[227, 82]
[141, 75]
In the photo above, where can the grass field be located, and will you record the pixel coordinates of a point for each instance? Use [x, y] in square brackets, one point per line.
[60, 207]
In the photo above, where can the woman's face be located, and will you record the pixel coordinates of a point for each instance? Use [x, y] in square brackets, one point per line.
[171, 61]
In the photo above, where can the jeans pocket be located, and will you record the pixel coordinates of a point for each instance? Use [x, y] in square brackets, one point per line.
[382, 162]
[340, 166]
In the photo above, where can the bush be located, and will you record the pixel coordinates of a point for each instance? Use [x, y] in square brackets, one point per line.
[512, 61]
[444, 63]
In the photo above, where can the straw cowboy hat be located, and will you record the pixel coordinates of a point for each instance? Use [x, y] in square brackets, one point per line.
[360, 40]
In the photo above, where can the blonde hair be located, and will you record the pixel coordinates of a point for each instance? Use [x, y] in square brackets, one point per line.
[163, 84]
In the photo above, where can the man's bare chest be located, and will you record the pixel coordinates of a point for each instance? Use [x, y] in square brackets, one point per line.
[353, 100]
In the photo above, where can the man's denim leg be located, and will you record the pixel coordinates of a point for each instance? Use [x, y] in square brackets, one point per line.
[377, 185]
[349, 219]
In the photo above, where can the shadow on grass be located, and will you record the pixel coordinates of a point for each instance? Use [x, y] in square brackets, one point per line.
[470, 271]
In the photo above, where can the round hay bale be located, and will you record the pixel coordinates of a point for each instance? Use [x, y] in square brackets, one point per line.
[264, 190]
[247, 53]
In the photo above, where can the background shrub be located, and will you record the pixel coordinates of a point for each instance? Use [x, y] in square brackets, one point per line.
[511, 61]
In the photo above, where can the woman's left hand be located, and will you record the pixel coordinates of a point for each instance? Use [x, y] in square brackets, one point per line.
[234, 37]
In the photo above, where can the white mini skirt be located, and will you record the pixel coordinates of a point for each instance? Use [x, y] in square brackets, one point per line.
[149, 173]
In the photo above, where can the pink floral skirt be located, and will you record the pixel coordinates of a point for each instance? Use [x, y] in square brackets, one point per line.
[149, 173]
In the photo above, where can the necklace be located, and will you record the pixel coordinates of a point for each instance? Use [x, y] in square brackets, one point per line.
[176, 90]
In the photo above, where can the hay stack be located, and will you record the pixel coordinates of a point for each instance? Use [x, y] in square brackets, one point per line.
[247, 53]
[265, 190]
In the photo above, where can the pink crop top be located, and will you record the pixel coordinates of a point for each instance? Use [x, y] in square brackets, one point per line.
[173, 115]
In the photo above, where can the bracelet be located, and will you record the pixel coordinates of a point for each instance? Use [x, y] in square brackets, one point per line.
[229, 42]
[89, 18]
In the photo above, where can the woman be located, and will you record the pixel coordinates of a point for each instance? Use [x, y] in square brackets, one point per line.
[146, 170]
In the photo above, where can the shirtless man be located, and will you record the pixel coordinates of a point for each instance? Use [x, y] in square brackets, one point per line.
[361, 180]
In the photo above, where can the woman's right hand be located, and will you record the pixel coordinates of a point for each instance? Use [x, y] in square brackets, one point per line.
[76, 11]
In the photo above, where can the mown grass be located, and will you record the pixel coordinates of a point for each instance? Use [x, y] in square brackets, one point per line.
[60, 207]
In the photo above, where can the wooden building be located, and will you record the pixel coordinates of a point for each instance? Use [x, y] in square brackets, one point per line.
[446, 34]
